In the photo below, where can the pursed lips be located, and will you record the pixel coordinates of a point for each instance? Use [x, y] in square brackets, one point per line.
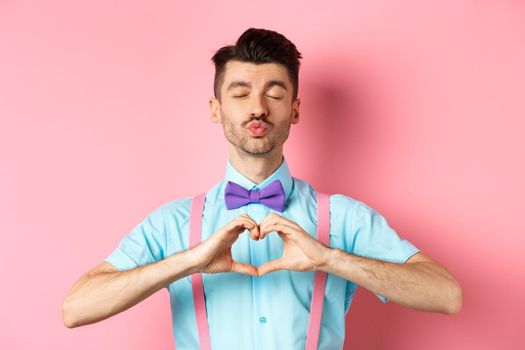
[257, 128]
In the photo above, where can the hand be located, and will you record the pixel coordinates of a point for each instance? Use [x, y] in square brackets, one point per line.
[302, 252]
[214, 254]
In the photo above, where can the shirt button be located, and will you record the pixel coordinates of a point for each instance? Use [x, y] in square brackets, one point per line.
[262, 319]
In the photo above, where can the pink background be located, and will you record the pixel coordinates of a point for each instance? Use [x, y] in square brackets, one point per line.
[414, 107]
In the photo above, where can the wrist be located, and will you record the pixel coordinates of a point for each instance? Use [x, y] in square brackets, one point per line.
[195, 263]
[187, 259]
[329, 257]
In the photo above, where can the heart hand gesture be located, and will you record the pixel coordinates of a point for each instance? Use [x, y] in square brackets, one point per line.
[215, 255]
[302, 252]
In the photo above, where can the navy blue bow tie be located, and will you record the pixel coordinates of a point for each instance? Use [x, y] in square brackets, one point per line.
[272, 195]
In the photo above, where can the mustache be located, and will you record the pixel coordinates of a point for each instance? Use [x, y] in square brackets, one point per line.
[261, 119]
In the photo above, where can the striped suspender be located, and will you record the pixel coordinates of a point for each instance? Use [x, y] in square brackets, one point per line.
[316, 308]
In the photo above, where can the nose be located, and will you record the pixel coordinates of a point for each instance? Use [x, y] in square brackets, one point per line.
[258, 107]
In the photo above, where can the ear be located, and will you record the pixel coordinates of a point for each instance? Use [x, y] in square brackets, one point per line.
[295, 107]
[215, 109]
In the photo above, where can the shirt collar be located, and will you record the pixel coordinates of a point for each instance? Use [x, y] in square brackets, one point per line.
[282, 173]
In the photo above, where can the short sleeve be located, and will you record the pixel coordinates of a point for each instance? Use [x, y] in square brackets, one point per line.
[369, 235]
[145, 244]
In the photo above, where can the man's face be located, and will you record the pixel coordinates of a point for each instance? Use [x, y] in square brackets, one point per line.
[255, 107]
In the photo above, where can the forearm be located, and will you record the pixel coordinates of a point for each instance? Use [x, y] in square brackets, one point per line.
[101, 295]
[424, 286]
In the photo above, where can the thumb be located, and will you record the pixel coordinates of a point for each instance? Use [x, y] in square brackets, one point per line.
[246, 269]
[271, 266]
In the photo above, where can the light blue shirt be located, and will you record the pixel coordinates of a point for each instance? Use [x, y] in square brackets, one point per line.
[270, 311]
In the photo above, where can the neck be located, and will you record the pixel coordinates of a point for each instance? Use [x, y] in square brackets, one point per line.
[256, 167]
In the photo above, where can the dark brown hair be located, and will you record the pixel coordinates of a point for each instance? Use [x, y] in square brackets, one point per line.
[259, 46]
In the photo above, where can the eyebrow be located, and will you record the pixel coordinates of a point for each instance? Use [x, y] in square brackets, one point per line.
[268, 85]
[273, 83]
[238, 83]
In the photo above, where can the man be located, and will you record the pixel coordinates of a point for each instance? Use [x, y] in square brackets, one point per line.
[258, 285]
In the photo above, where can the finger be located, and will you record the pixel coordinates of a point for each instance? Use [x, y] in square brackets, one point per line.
[276, 226]
[272, 216]
[253, 228]
[246, 269]
[240, 223]
[282, 220]
[254, 232]
[271, 266]
[279, 218]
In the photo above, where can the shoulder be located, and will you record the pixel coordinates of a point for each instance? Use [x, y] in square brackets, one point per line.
[341, 202]
[351, 212]
[179, 209]
[159, 217]
[176, 206]
[175, 212]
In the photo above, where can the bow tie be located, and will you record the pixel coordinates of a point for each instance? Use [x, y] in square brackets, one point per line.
[272, 195]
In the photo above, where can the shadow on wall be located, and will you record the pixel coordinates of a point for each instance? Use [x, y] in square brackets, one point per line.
[342, 104]
[341, 101]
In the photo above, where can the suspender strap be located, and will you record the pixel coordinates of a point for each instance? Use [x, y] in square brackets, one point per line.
[197, 206]
[316, 308]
